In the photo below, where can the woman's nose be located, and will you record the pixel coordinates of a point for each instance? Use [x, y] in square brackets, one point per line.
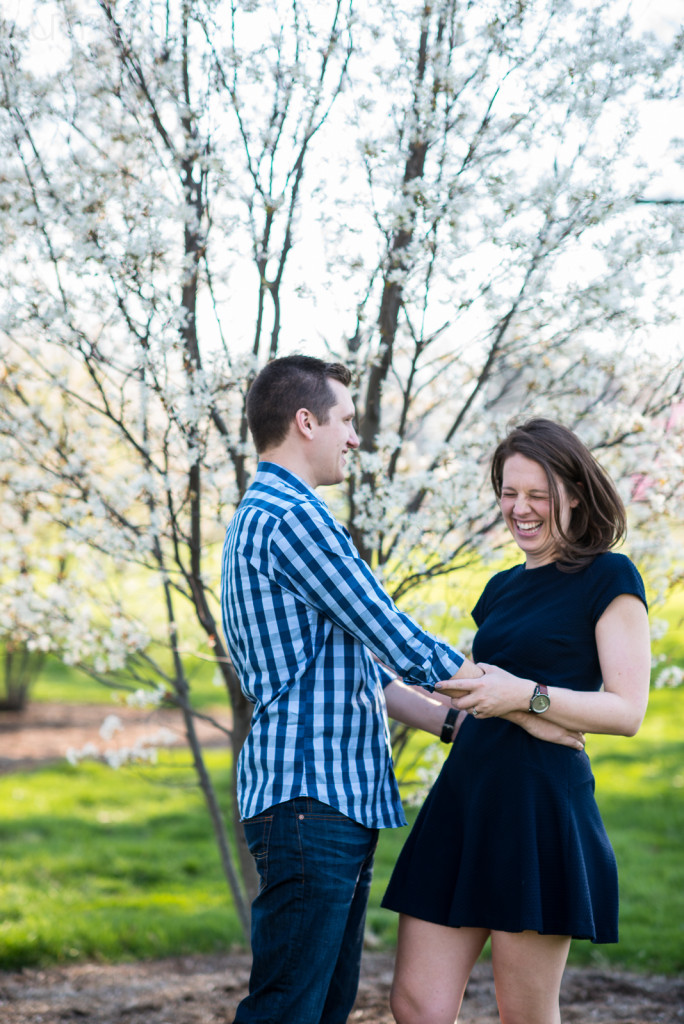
[521, 505]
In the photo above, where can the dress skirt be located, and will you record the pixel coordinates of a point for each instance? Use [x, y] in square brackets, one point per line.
[510, 839]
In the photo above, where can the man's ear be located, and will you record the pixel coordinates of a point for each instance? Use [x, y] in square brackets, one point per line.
[304, 422]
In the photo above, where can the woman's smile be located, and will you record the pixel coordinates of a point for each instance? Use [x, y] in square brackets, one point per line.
[527, 508]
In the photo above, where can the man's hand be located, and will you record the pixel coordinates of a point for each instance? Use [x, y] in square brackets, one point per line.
[468, 670]
[497, 693]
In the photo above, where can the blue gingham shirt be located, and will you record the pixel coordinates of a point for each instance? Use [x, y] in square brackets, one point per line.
[301, 612]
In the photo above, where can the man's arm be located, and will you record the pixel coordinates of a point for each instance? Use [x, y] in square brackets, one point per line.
[419, 709]
[468, 670]
[543, 729]
[313, 558]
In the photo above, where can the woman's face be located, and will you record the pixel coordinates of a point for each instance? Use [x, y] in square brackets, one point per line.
[527, 510]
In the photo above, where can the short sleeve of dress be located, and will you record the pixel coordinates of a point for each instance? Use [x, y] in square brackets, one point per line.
[480, 610]
[608, 576]
[491, 590]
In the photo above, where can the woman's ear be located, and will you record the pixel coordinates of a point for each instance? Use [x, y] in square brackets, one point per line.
[574, 502]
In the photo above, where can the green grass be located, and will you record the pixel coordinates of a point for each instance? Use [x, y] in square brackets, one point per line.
[98, 864]
[63, 684]
[107, 865]
[673, 612]
[640, 790]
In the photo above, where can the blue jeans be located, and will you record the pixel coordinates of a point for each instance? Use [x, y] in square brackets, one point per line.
[315, 868]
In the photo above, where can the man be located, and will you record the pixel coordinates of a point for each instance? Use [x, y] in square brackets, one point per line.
[303, 617]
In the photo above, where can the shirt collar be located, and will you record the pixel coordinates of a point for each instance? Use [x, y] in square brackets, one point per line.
[267, 471]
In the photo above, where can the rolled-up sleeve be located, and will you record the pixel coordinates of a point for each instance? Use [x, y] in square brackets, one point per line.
[314, 559]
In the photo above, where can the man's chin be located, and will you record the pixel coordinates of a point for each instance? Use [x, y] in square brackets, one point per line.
[330, 481]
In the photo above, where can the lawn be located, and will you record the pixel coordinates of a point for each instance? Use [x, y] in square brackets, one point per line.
[62, 683]
[121, 865]
[110, 865]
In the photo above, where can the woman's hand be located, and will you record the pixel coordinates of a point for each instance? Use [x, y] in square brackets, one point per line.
[489, 696]
[492, 695]
[539, 727]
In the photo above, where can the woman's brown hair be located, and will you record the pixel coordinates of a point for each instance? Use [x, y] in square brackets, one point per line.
[598, 520]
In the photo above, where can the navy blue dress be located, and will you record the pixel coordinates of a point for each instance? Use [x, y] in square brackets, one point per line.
[510, 837]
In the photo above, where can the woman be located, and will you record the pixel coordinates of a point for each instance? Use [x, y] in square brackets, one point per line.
[510, 844]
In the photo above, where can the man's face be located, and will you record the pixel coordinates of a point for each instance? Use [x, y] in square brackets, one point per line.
[333, 439]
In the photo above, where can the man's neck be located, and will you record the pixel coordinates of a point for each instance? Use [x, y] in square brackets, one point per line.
[288, 460]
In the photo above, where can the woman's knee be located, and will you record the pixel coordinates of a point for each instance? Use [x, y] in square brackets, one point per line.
[420, 1008]
[403, 1009]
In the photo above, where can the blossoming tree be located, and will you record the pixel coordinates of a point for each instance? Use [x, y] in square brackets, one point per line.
[441, 195]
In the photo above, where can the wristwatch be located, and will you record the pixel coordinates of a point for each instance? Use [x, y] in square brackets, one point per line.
[540, 699]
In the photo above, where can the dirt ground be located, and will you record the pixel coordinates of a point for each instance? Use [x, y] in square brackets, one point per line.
[206, 989]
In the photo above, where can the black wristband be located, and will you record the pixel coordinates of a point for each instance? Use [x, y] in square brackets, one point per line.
[448, 727]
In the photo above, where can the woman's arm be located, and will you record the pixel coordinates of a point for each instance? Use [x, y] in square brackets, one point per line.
[413, 706]
[623, 643]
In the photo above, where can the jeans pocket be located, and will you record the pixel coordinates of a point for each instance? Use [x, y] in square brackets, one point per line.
[258, 835]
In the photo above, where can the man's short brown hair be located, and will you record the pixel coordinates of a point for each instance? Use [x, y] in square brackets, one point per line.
[283, 387]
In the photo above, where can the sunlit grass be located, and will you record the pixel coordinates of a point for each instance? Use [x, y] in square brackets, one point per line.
[640, 789]
[121, 865]
[110, 865]
[673, 613]
[60, 683]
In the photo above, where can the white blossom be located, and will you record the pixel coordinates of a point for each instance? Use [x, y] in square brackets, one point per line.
[671, 675]
[111, 725]
[459, 225]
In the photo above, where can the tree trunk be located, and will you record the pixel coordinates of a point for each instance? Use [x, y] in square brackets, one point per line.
[21, 668]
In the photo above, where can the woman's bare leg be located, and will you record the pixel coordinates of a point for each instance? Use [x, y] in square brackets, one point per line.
[432, 967]
[528, 970]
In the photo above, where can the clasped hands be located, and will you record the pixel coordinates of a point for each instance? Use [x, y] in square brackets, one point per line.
[492, 695]
[500, 694]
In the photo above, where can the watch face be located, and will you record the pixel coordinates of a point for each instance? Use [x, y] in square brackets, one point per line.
[540, 702]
